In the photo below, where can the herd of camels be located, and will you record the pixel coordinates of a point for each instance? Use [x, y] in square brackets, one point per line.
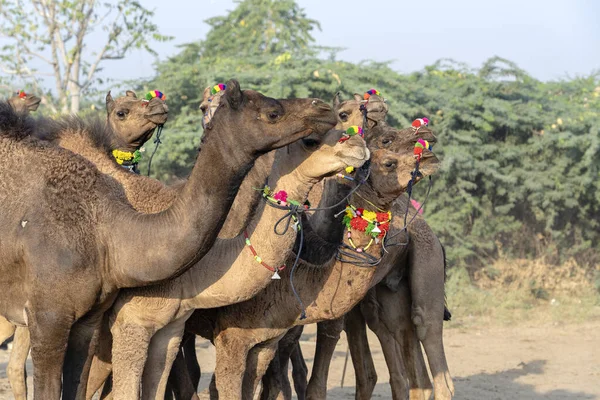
[295, 212]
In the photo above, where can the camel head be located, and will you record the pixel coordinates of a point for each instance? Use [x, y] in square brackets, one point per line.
[386, 137]
[263, 123]
[134, 120]
[317, 156]
[24, 103]
[210, 102]
[393, 159]
[349, 113]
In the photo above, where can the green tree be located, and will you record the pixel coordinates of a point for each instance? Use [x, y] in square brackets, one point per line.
[50, 37]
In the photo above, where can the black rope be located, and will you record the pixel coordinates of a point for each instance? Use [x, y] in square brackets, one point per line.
[158, 142]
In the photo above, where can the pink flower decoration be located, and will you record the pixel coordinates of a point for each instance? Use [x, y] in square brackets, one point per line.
[281, 195]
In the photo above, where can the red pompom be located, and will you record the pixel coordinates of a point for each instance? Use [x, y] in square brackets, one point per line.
[359, 224]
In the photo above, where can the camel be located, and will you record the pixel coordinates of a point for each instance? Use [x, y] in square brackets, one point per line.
[68, 233]
[248, 332]
[24, 103]
[133, 121]
[151, 320]
[427, 261]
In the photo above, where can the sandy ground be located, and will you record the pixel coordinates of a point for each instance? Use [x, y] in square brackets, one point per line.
[555, 362]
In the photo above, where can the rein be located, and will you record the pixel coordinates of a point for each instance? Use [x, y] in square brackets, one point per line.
[157, 141]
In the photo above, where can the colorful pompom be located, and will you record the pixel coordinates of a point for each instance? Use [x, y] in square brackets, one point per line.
[22, 94]
[419, 122]
[371, 92]
[155, 93]
[420, 145]
[353, 130]
[349, 170]
[217, 88]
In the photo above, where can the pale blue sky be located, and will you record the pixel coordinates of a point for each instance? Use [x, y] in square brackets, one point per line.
[551, 39]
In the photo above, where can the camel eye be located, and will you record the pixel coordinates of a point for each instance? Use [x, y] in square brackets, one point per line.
[273, 116]
[386, 141]
[343, 116]
[390, 164]
[121, 114]
[310, 143]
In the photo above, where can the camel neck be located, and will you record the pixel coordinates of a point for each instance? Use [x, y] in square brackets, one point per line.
[229, 272]
[172, 241]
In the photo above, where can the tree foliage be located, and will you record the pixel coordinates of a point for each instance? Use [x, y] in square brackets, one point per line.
[520, 157]
[51, 38]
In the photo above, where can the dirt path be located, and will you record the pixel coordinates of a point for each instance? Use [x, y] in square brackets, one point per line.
[552, 362]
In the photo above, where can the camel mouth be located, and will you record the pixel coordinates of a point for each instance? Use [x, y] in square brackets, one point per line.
[156, 116]
[429, 163]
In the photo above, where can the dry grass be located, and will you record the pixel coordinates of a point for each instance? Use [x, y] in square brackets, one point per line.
[523, 291]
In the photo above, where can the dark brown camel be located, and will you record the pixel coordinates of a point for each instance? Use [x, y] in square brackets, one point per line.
[252, 328]
[67, 223]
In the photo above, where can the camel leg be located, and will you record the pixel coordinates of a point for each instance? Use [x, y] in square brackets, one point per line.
[258, 361]
[212, 388]
[191, 359]
[364, 369]
[49, 332]
[163, 350]
[299, 372]
[180, 381]
[273, 386]
[232, 347]
[427, 288]
[328, 335]
[443, 387]
[393, 359]
[79, 355]
[394, 311]
[17, 369]
[129, 354]
[275, 382]
[102, 362]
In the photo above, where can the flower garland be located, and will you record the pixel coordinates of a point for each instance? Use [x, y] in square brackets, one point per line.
[374, 224]
[127, 157]
[281, 198]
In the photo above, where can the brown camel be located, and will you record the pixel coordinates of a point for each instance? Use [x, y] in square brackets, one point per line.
[151, 320]
[248, 332]
[23, 102]
[70, 223]
[133, 121]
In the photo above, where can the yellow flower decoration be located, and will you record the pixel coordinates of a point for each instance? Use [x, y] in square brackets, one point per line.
[370, 215]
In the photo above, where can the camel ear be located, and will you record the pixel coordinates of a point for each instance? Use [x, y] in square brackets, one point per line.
[206, 94]
[131, 93]
[110, 103]
[336, 101]
[358, 97]
[234, 94]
